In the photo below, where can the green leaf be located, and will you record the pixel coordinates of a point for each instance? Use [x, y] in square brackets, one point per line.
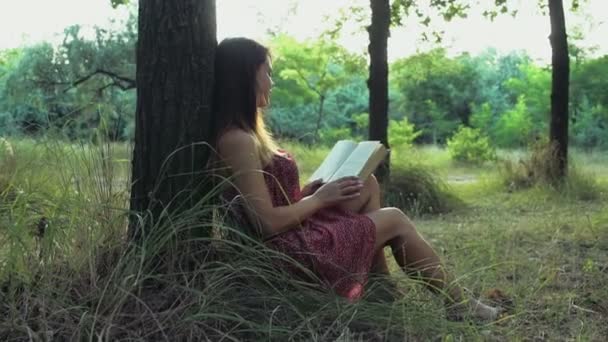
[116, 3]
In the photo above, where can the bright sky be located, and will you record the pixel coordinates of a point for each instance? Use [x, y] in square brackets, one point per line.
[28, 21]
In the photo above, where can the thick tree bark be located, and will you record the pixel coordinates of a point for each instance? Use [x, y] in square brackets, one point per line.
[175, 61]
[378, 79]
[558, 134]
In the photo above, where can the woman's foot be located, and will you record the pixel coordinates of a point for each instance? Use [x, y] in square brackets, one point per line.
[472, 309]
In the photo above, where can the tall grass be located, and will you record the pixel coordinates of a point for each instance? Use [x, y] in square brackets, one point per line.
[68, 273]
[539, 168]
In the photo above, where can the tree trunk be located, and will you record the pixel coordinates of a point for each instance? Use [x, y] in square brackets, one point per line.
[558, 134]
[319, 117]
[378, 79]
[175, 61]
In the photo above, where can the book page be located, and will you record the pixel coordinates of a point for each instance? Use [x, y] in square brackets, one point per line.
[338, 154]
[374, 161]
[355, 163]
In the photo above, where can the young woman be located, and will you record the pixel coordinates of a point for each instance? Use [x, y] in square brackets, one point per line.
[336, 229]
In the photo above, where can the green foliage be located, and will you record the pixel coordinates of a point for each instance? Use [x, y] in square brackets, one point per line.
[505, 96]
[590, 80]
[294, 122]
[73, 86]
[361, 123]
[469, 145]
[482, 118]
[402, 133]
[493, 71]
[590, 127]
[329, 136]
[116, 3]
[515, 128]
[309, 70]
[447, 10]
[319, 82]
[536, 87]
[433, 91]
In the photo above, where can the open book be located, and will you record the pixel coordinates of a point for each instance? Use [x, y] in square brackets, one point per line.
[348, 158]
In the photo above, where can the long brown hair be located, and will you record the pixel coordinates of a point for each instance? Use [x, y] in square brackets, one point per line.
[237, 61]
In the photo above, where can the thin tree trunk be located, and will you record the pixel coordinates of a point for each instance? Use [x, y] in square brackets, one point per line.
[378, 79]
[319, 117]
[175, 61]
[558, 134]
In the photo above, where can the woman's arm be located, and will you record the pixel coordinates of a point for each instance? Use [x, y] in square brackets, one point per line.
[237, 149]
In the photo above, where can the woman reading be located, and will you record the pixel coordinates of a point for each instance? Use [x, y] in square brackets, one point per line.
[336, 229]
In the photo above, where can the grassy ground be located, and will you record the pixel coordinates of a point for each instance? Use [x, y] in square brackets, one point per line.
[545, 250]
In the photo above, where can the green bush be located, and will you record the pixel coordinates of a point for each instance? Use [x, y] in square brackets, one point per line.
[402, 133]
[482, 117]
[515, 127]
[329, 136]
[590, 126]
[469, 145]
[418, 191]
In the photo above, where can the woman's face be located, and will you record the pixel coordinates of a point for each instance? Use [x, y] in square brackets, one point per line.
[264, 84]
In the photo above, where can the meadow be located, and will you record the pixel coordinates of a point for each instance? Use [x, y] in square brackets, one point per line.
[540, 251]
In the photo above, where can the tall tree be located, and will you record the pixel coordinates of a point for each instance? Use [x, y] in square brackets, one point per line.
[175, 60]
[378, 79]
[316, 68]
[385, 13]
[558, 132]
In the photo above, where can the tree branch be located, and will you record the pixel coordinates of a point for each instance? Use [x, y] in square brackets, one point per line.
[121, 82]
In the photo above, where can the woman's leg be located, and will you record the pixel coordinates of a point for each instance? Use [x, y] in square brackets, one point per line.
[413, 254]
[417, 258]
[370, 201]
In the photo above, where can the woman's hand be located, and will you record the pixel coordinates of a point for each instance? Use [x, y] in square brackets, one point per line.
[338, 191]
[311, 187]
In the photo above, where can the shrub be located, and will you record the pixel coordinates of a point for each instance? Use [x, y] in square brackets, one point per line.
[482, 117]
[417, 191]
[469, 145]
[402, 133]
[590, 127]
[329, 136]
[361, 123]
[541, 168]
[515, 127]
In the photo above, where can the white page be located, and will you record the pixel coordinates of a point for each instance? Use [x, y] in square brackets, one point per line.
[356, 160]
[334, 159]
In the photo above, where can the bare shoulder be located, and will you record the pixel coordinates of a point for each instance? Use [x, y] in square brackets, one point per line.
[238, 150]
[235, 140]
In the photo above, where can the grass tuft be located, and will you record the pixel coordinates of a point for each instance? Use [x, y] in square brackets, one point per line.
[540, 168]
[418, 191]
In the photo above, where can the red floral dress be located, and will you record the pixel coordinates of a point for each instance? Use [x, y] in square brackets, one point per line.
[337, 245]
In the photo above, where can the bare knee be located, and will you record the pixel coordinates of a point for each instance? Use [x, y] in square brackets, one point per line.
[391, 223]
[403, 225]
[398, 220]
[372, 191]
[372, 184]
